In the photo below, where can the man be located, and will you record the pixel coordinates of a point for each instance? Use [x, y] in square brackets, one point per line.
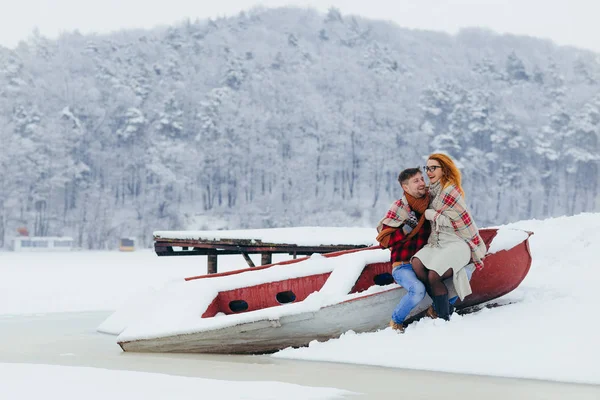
[405, 230]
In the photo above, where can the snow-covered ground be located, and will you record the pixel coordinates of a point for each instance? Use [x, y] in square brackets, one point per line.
[549, 333]
[75, 383]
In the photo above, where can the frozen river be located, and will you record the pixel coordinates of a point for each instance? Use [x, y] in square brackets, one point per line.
[70, 339]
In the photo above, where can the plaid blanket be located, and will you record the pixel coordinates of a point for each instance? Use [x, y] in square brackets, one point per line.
[398, 213]
[450, 202]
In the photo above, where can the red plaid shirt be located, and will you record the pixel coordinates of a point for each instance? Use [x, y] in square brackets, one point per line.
[403, 251]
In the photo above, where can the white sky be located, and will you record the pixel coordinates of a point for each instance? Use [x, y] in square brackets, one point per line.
[567, 22]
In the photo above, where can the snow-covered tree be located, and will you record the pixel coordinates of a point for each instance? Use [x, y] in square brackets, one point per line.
[286, 116]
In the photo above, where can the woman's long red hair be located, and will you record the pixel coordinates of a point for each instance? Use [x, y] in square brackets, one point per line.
[451, 174]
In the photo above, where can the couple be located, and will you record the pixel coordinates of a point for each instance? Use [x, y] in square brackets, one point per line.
[432, 237]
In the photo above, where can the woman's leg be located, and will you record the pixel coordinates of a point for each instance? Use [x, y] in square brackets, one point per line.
[439, 293]
[419, 269]
[436, 282]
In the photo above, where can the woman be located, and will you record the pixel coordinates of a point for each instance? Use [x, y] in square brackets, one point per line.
[454, 239]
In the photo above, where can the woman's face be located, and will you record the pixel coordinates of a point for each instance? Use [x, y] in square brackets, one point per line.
[434, 171]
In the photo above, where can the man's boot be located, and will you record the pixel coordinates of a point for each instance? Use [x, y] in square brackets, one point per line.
[430, 312]
[442, 306]
[397, 327]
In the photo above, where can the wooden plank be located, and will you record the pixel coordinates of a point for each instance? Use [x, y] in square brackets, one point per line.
[244, 243]
[280, 248]
[265, 258]
[197, 252]
[162, 249]
[212, 263]
[214, 248]
[235, 242]
[248, 260]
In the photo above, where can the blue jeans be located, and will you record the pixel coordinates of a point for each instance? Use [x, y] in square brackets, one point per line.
[406, 277]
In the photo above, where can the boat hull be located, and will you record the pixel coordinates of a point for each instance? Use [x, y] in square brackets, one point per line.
[365, 314]
[504, 271]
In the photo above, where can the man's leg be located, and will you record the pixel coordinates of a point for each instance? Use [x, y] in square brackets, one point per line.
[405, 277]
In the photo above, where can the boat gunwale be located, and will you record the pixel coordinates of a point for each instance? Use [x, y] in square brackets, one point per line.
[286, 262]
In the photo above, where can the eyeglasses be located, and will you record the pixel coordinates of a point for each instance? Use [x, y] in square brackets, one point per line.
[431, 169]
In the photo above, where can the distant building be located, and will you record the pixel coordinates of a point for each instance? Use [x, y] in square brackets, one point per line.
[41, 243]
[127, 244]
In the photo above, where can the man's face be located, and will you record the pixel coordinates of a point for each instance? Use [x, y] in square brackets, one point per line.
[415, 186]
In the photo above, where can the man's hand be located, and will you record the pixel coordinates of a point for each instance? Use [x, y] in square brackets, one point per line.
[412, 220]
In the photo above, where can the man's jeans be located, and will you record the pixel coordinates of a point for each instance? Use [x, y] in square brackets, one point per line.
[405, 277]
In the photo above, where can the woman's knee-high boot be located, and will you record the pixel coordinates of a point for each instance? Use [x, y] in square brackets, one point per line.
[442, 306]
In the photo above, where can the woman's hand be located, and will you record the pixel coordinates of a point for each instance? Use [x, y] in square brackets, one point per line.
[440, 219]
[430, 214]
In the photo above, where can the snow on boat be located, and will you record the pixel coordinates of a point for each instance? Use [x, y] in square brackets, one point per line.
[292, 303]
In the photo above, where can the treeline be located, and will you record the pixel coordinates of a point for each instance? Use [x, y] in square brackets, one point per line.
[286, 117]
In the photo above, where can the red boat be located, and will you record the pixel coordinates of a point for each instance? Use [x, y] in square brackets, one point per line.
[367, 307]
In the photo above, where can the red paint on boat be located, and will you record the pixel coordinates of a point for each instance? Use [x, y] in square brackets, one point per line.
[503, 272]
[265, 295]
[212, 309]
[488, 235]
[367, 277]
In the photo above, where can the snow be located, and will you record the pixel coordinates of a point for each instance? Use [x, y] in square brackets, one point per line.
[506, 239]
[305, 236]
[43, 282]
[547, 332]
[74, 383]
